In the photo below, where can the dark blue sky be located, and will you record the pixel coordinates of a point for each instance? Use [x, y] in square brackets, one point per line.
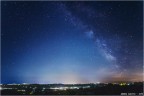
[71, 42]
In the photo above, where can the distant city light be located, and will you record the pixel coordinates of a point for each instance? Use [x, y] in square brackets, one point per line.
[25, 83]
[0, 88]
[12, 84]
[122, 84]
[97, 82]
[21, 90]
[65, 88]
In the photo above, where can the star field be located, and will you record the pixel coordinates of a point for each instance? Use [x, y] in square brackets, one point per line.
[71, 42]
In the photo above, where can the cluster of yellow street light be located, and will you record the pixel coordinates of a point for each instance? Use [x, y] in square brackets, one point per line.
[123, 84]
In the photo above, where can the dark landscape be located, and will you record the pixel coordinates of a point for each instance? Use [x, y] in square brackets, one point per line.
[135, 88]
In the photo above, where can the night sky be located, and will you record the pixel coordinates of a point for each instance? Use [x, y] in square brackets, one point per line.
[71, 42]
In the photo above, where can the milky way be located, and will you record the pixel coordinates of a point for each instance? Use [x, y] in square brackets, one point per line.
[72, 42]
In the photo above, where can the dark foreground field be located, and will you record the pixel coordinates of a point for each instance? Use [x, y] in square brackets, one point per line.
[73, 89]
